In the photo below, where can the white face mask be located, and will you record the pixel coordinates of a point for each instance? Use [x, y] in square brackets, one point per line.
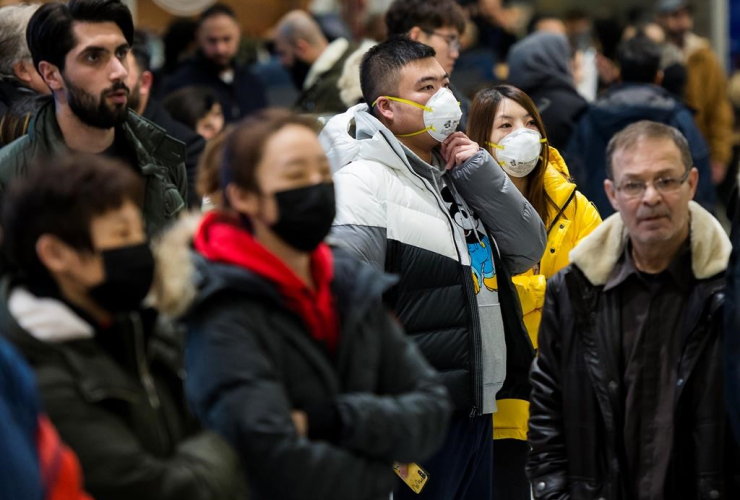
[442, 114]
[519, 152]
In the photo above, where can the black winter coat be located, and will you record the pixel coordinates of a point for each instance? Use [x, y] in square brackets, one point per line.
[251, 361]
[576, 409]
[240, 98]
[118, 402]
[194, 143]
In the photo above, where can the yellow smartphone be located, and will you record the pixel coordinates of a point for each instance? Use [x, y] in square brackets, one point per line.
[416, 478]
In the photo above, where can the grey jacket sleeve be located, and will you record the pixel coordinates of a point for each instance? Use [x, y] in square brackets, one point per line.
[513, 222]
[361, 221]
[408, 422]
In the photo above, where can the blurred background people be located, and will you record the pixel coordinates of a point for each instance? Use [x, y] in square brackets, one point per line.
[18, 75]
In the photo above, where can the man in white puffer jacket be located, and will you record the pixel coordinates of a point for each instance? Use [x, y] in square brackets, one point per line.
[447, 220]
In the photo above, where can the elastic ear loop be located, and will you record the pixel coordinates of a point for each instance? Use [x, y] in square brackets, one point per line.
[412, 103]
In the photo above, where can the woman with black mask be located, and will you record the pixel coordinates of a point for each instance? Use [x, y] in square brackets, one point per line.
[291, 354]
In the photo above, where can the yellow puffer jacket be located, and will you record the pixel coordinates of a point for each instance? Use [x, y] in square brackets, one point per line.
[573, 220]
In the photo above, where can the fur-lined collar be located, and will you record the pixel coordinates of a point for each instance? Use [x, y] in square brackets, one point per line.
[174, 287]
[328, 58]
[599, 252]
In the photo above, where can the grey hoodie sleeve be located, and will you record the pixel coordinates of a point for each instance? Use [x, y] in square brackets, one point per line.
[513, 222]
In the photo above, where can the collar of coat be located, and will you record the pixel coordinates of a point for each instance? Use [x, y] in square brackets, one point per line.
[326, 61]
[599, 252]
[149, 141]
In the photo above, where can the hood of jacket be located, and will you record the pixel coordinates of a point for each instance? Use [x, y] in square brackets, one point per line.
[629, 103]
[357, 135]
[540, 60]
[47, 319]
[598, 253]
[184, 278]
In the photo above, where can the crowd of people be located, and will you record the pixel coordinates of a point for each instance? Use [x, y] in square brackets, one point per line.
[347, 272]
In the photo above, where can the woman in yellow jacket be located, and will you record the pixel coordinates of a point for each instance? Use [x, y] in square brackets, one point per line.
[507, 122]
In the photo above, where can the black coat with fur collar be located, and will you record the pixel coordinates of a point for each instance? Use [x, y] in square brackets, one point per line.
[576, 407]
[251, 361]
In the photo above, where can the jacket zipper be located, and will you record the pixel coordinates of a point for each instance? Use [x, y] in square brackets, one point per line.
[144, 374]
[476, 369]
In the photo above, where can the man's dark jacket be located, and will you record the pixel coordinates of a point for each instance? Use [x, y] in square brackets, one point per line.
[161, 161]
[240, 98]
[577, 408]
[194, 143]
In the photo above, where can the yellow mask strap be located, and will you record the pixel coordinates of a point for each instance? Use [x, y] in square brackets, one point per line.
[404, 101]
[418, 133]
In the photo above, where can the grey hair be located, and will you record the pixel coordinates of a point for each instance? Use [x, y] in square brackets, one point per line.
[13, 47]
[299, 25]
[646, 129]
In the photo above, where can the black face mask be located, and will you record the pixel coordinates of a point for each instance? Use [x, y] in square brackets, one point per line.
[298, 72]
[129, 273]
[306, 215]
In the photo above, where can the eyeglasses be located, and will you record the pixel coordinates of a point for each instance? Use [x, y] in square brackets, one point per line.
[663, 185]
[453, 41]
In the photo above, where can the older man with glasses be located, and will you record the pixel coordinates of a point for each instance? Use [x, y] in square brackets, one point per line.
[627, 399]
[437, 23]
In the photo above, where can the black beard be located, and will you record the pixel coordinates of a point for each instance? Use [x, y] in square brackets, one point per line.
[96, 113]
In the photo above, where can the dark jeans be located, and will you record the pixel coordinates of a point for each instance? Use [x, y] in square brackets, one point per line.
[463, 468]
[509, 477]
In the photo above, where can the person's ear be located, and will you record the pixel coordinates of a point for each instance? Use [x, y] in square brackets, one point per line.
[384, 108]
[302, 50]
[54, 254]
[693, 181]
[51, 75]
[22, 71]
[416, 33]
[146, 82]
[659, 77]
[244, 202]
[611, 193]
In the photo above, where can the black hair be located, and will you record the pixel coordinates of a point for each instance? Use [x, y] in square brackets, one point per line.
[141, 52]
[428, 15]
[382, 64]
[50, 36]
[639, 59]
[189, 104]
[179, 36]
[217, 9]
[61, 198]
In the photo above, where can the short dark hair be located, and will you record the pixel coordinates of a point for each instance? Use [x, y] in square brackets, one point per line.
[189, 104]
[50, 36]
[639, 59]
[245, 145]
[645, 129]
[381, 66]
[141, 52]
[61, 198]
[217, 9]
[428, 15]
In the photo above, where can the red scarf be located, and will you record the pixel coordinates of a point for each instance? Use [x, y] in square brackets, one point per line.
[220, 238]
